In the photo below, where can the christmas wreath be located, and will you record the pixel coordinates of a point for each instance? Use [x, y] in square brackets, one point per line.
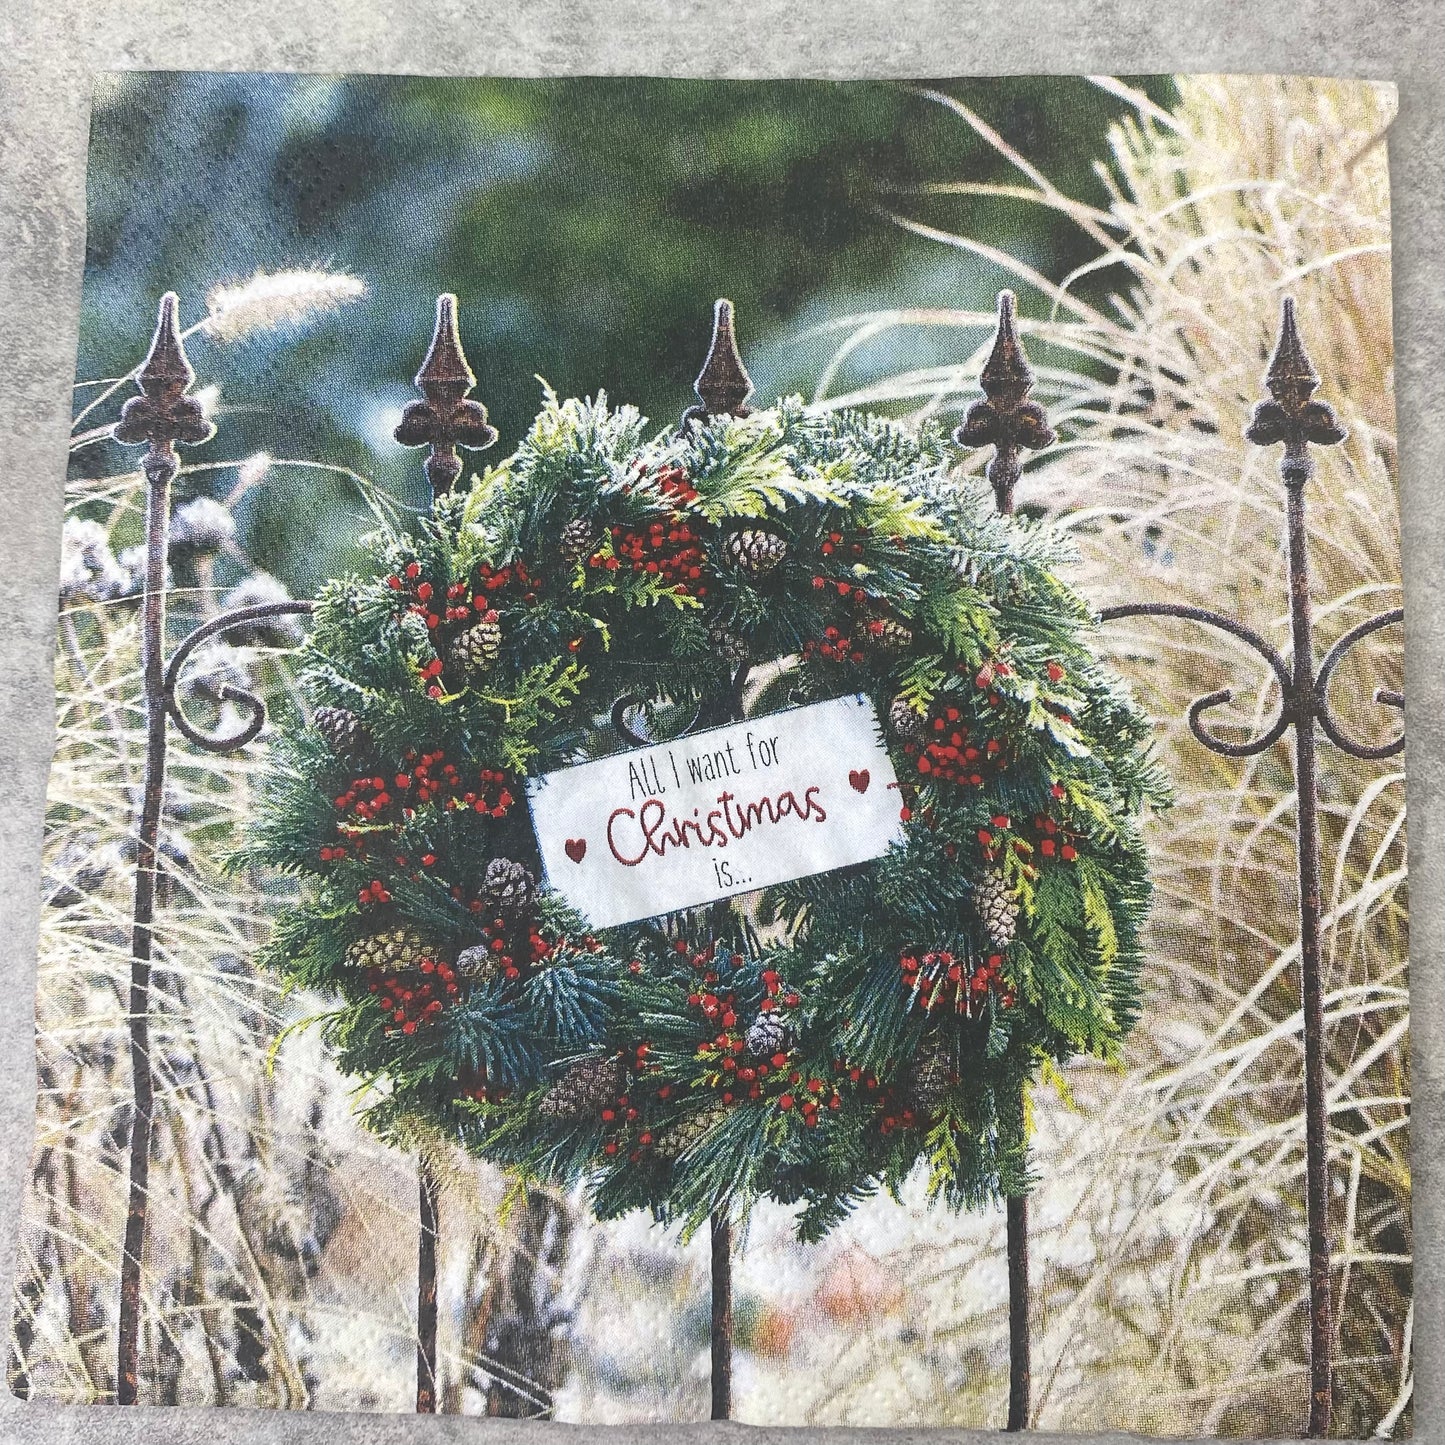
[810, 1043]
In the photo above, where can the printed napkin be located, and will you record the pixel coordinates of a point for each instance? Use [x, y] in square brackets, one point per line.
[730, 750]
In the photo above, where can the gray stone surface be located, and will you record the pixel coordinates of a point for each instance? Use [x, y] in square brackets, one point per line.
[48, 52]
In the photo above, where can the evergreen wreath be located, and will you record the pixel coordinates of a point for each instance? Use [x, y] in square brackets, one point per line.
[811, 1043]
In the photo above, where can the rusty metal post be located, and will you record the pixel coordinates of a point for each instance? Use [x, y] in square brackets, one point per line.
[722, 1317]
[444, 421]
[723, 388]
[1292, 417]
[426, 1292]
[160, 417]
[1296, 420]
[1008, 421]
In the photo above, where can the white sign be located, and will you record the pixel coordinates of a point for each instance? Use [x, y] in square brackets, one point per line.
[718, 813]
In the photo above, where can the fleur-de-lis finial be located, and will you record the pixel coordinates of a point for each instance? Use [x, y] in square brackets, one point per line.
[163, 414]
[1005, 419]
[446, 420]
[1292, 416]
[723, 385]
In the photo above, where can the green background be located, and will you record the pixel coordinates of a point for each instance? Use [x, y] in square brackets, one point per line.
[585, 224]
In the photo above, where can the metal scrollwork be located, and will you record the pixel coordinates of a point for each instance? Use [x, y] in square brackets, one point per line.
[1207, 618]
[242, 697]
[625, 704]
[1329, 724]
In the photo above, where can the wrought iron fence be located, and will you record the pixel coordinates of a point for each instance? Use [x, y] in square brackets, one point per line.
[447, 421]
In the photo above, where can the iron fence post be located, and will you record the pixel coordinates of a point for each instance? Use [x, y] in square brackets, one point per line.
[426, 1291]
[722, 1316]
[1008, 421]
[445, 420]
[723, 388]
[160, 417]
[1292, 417]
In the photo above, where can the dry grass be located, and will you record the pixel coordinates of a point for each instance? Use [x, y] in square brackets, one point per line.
[280, 1263]
[1186, 1174]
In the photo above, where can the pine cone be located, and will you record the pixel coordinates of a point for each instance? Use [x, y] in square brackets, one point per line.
[768, 1035]
[396, 948]
[343, 731]
[754, 551]
[508, 886]
[580, 539]
[586, 1088]
[997, 907]
[903, 720]
[928, 1080]
[727, 645]
[476, 651]
[888, 634]
[690, 1131]
[477, 962]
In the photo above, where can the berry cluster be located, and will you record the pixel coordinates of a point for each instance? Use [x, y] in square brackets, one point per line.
[844, 549]
[840, 585]
[432, 776]
[667, 549]
[453, 617]
[773, 986]
[835, 544]
[373, 893]
[939, 980]
[1044, 840]
[895, 1112]
[731, 1068]
[947, 752]
[808, 1097]
[491, 580]
[461, 601]
[622, 1115]
[676, 486]
[507, 942]
[410, 1002]
[834, 645]
[427, 777]
[365, 798]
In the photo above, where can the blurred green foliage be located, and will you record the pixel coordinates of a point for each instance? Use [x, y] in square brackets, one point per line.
[585, 224]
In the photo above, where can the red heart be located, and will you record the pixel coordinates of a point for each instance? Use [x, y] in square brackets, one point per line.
[859, 779]
[576, 849]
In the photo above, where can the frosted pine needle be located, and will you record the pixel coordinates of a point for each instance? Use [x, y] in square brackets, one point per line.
[270, 299]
